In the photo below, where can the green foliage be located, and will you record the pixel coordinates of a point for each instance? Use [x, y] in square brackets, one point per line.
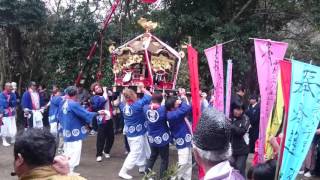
[70, 38]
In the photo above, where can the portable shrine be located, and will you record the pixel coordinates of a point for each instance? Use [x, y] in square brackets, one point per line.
[146, 59]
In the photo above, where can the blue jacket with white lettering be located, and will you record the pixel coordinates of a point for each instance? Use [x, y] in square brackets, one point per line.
[74, 118]
[54, 108]
[134, 120]
[8, 103]
[98, 103]
[157, 127]
[178, 126]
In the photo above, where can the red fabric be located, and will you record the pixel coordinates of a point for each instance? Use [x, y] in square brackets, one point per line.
[33, 100]
[148, 1]
[278, 139]
[286, 70]
[255, 155]
[147, 59]
[285, 67]
[194, 86]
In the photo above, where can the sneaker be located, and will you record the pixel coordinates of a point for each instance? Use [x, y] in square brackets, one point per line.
[107, 156]
[92, 133]
[307, 174]
[99, 159]
[142, 169]
[124, 175]
[301, 172]
[5, 144]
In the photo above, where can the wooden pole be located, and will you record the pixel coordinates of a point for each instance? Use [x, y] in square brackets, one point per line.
[228, 41]
[189, 40]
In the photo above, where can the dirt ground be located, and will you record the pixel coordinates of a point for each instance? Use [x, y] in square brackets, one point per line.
[106, 170]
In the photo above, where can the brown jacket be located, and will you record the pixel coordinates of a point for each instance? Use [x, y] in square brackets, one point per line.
[47, 173]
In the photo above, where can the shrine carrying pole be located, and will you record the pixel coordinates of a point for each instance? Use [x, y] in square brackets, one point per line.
[93, 48]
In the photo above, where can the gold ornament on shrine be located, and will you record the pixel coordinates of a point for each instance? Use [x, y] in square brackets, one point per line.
[147, 25]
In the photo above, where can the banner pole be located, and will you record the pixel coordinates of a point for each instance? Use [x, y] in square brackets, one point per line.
[280, 153]
[227, 42]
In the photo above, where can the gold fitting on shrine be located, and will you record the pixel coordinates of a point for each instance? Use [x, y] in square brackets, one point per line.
[147, 25]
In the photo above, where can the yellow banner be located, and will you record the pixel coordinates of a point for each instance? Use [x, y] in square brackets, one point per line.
[275, 119]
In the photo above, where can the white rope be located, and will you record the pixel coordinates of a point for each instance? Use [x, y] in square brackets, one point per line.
[157, 5]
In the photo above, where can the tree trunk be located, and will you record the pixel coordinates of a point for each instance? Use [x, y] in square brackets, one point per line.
[3, 59]
[15, 55]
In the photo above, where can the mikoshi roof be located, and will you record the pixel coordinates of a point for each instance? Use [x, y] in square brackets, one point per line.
[149, 42]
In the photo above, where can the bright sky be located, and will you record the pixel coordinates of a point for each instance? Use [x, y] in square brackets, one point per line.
[104, 5]
[52, 5]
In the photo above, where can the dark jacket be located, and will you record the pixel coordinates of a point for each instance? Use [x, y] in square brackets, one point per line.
[253, 114]
[239, 135]
[316, 137]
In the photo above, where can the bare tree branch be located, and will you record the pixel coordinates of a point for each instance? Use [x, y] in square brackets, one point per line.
[244, 7]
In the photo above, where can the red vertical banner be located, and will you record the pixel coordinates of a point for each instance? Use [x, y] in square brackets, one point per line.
[285, 67]
[194, 86]
[285, 72]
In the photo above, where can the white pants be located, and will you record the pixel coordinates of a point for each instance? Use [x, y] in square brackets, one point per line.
[185, 163]
[54, 128]
[37, 119]
[73, 151]
[139, 152]
[9, 127]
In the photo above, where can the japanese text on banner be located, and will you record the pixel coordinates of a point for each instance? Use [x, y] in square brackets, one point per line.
[268, 53]
[304, 116]
[214, 56]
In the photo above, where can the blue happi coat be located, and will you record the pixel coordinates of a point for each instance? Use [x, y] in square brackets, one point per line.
[178, 127]
[73, 119]
[26, 101]
[157, 127]
[54, 108]
[134, 120]
[99, 103]
[8, 102]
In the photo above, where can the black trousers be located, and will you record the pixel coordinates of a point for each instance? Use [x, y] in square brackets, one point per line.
[164, 155]
[118, 120]
[28, 121]
[105, 138]
[239, 162]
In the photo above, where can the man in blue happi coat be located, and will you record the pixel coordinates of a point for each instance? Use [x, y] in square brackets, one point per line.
[32, 105]
[75, 121]
[8, 104]
[55, 100]
[177, 110]
[105, 137]
[158, 133]
[135, 129]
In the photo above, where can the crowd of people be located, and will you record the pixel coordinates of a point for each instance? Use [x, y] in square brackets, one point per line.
[150, 122]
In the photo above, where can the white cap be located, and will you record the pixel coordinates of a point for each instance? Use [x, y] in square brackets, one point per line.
[14, 85]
